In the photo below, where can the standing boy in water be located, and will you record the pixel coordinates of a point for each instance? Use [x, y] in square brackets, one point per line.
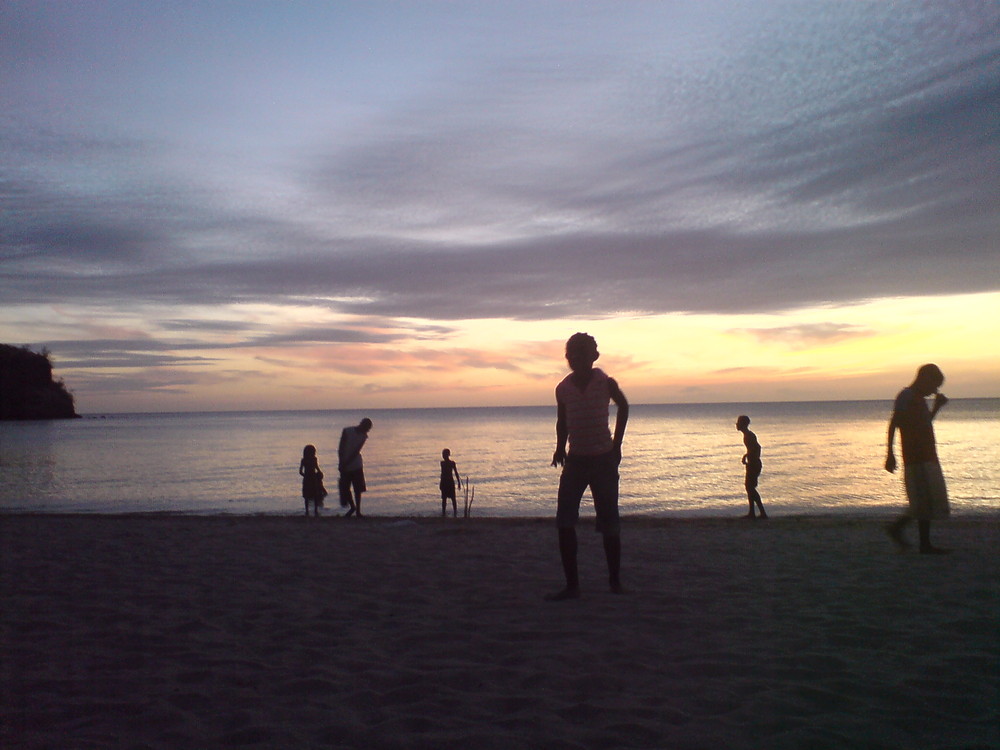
[582, 400]
[751, 459]
[925, 488]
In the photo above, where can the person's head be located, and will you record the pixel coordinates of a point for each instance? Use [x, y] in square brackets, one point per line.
[581, 351]
[365, 425]
[742, 422]
[308, 451]
[929, 379]
[446, 454]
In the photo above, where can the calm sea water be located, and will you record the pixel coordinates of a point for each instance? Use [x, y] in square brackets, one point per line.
[679, 460]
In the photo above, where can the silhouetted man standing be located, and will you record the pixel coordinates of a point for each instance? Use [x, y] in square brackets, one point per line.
[925, 488]
[751, 459]
[582, 401]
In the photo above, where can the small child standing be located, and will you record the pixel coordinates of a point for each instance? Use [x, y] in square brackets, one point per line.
[582, 400]
[449, 475]
[313, 490]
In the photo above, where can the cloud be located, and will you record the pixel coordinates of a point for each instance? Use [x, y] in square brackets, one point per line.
[758, 176]
[807, 335]
[175, 381]
[150, 351]
[434, 362]
[579, 276]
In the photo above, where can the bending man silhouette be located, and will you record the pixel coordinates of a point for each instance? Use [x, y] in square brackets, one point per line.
[925, 487]
[351, 465]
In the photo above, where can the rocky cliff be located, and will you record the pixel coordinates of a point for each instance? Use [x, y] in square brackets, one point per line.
[27, 390]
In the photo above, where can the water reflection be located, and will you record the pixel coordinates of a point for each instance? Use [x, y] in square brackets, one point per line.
[678, 459]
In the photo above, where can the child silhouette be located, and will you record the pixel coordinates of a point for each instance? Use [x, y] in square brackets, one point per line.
[449, 475]
[313, 490]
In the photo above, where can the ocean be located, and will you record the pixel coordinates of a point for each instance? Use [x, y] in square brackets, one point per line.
[679, 460]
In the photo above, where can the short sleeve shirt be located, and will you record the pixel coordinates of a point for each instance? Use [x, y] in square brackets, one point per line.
[916, 429]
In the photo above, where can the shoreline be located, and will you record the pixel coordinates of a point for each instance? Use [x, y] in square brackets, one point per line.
[167, 631]
[987, 516]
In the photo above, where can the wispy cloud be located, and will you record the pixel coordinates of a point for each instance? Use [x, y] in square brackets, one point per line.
[807, 335]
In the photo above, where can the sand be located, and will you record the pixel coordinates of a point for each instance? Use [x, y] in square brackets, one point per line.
[288, 632]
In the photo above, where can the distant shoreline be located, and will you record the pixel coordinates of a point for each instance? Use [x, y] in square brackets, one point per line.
[990, 516]
[354, 410]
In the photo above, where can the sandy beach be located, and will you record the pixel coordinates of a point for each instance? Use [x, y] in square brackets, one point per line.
[288, 632]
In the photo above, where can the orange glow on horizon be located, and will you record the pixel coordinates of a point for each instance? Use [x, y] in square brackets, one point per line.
[858, 352]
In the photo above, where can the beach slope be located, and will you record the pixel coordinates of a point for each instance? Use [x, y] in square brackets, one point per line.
[291, 632]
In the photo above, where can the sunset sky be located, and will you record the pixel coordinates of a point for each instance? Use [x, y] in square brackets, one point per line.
[270, 205]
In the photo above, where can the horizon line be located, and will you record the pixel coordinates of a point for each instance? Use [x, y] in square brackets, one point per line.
[516, 406]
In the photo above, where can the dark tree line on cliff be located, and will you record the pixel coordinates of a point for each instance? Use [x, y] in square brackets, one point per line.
[27, 390]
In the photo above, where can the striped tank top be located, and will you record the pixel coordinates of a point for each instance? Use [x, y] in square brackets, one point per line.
[587, 414]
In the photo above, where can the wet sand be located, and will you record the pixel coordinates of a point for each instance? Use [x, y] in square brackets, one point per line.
[288, 632]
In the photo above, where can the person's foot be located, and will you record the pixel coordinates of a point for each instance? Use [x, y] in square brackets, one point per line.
[750, 516]
[763, 515]
[932, 550]
[895, 532]
[564, 595]
[349, 513]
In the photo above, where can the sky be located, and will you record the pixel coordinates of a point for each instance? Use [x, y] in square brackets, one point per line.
[358, 205]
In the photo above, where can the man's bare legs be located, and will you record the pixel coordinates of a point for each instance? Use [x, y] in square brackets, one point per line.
[753, 496]
[895, 532]
[568, 555]
[613, 553]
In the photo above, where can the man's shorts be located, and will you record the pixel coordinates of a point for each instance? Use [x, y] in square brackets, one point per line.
[349, 479]
[600, 473]
[753, 474]
[926, 491]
